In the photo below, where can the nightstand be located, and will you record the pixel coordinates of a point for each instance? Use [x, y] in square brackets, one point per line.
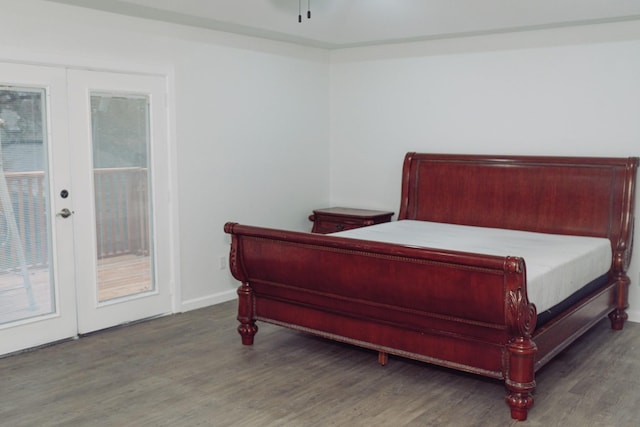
[331, 220]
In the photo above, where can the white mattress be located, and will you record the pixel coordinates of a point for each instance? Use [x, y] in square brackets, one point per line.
[557, 265]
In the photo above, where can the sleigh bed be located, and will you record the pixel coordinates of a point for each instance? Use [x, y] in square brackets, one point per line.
[458, 308]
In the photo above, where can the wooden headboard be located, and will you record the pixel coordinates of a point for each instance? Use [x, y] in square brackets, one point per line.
[562, 195]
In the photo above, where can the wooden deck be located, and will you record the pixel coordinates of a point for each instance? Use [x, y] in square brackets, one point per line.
[123, 275]
[118, 276]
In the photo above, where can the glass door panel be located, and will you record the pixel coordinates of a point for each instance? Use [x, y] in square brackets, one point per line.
[120, 143]
[26, 284]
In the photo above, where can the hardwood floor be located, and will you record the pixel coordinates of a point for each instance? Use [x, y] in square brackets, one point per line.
[191, 370]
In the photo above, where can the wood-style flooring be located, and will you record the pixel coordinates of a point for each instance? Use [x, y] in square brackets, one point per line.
[191, 370]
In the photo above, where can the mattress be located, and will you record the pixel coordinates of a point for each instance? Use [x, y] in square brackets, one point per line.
[557, 265]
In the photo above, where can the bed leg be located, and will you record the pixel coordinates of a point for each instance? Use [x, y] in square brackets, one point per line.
[383, 358]
[520, 381]
[247, 328]
[617, 318]
[619, 315]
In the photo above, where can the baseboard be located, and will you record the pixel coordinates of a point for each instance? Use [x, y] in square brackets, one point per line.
[196, 303]
[634, 316]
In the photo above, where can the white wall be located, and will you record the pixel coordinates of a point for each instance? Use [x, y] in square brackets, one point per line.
[252, 148]
[249, 122]
[572, 91]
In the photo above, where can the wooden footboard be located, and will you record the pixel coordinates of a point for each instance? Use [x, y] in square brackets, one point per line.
[464, 311]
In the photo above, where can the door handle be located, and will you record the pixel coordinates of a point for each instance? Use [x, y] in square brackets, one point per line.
[65, 213]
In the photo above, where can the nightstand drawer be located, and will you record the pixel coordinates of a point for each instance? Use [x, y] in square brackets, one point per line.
[331, 220]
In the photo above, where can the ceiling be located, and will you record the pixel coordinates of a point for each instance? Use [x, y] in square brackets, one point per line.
[348, 23]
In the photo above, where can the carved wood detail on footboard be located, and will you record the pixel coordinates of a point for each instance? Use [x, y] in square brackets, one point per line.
[521, 350]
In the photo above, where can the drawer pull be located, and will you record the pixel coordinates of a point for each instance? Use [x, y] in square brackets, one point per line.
[339, 227]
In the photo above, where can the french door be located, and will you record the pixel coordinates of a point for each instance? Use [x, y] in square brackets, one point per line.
[118, 133]
[84, 193]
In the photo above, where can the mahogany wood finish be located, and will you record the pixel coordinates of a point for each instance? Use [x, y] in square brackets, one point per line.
[464, 311]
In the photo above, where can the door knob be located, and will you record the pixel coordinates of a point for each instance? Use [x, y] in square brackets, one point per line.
[65, 213]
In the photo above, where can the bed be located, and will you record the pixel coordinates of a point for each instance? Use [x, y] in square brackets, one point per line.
[458, 308]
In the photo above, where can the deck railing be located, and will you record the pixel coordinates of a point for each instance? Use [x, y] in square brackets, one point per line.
[26, 192]
[122, 212]
[122, 225]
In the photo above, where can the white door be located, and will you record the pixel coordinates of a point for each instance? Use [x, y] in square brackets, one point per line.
[37, 284]
[118, 135]
[84, 193]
